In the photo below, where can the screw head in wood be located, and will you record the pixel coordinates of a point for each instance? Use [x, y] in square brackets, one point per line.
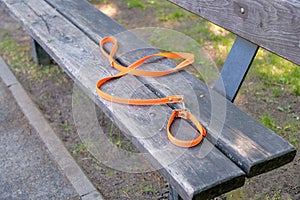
[242, 10]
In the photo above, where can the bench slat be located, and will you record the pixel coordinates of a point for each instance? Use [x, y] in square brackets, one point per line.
[273, 24]
[200, 172]
[247, 144]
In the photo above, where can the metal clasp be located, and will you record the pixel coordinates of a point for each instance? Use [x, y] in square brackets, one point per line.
[183, 107]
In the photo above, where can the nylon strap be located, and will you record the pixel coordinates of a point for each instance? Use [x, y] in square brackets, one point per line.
[131, 69]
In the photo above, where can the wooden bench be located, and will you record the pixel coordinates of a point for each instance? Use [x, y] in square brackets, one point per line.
[69, 30]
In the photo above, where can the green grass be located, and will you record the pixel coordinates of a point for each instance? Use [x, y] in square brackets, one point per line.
[277, 72]
[119, 140]
[115, 135]
[276, 196]
[5, 32]
[176, 15]
[80, 148]
[126, 191]
[136, 4]
[288, 129]
[268, 121]
[243, 194]
[277, 92]
[18, 57]
[286, 109]
[148, 188]
[65, 126]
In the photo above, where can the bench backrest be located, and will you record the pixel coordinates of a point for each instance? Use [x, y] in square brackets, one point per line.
[271, 24]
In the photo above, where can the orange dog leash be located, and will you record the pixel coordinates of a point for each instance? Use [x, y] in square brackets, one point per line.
[131, 69]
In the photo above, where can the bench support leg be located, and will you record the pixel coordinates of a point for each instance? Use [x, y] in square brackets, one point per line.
[235, 68]
[40, 56]
[173, 195]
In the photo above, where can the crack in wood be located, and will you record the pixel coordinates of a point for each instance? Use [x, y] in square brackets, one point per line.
[41, 16]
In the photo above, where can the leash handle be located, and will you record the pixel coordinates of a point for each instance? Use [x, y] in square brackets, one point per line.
[131, 69]
[185, 115]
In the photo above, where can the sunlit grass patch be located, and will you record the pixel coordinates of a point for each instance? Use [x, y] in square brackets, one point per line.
[268, 121]
[288, 129]
[136, 4]
[276, 71]
[175, 15]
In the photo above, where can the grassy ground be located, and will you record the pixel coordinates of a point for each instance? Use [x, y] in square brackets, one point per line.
[272, 86]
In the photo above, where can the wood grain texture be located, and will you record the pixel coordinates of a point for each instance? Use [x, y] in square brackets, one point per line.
[201, 172]
[271, 24]
[236, 134]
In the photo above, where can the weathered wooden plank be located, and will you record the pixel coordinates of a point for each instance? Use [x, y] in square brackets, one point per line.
[271, 24]
[198, 172]
[244, 143]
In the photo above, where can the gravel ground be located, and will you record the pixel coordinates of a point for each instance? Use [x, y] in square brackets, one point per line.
[27, 170]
